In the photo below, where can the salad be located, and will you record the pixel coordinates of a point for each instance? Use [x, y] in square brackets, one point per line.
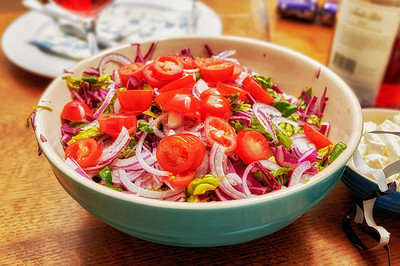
[196, 129]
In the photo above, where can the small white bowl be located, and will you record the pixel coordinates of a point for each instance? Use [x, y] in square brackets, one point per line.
[362, 185]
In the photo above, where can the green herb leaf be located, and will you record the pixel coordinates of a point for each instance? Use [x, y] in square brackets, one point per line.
[144, 127]
[285, 107]
[105, 175]
[337, 150]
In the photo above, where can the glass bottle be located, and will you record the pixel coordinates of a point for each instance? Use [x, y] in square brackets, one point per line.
[365, 50]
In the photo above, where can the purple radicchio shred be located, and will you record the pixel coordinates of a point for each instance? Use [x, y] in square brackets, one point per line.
[91, 71]
[318, 72]
[43, 138]
[209, 51]
[269, 179]
[139, 57]
[135, 84]
[65, 129]
[32, 119]
[276, 88]
[186, 52]
[77, 96]
[305, 97]
[39, 151]
[66, 71]
[250, 98]
[285, 158]
[324, 99]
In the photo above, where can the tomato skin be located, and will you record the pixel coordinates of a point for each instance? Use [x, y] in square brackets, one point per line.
[134, 69]
[218, 130]
[165, 97]
[168, 67]
[214, 70]
[257, 90]
[197, 147]
[183, 82]
[214, 105]
[112, 124]
[188, 62]
[316, 137]
[135, 102]
[75, 111]
[85, 152]
[152, 80]
[208, 92]
[251, 146]
[227, 90]
[182, 179]
[237, 70]
[179, 153]
[183, 103]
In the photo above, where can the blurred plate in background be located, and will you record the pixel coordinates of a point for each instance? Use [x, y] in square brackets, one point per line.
[16, 39]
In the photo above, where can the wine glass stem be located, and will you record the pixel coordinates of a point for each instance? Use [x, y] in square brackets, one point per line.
[90, 29]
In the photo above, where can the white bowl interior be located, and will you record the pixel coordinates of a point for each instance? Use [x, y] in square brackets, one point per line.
[291, 71]
[378, 116]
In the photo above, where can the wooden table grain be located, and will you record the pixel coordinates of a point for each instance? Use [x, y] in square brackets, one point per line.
[40, 224]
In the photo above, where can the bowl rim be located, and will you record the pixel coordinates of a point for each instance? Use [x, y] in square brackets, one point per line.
[366, 111]
[57, 162]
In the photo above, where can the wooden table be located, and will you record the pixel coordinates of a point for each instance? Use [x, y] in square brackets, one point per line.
[40, 224]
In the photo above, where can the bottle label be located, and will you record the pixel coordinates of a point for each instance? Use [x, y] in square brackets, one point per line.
[361, 46]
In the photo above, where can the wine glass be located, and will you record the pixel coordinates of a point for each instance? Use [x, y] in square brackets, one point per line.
[88, 12]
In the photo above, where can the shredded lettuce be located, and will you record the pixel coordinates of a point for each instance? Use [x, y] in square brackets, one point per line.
[200, 186]
[91, 132]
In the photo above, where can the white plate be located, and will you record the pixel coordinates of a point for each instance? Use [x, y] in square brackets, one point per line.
[16, 46]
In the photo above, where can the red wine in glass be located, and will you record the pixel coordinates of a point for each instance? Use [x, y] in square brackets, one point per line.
[88, 10]
[389, 93]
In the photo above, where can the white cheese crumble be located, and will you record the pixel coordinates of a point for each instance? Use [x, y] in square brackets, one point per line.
[380, 150]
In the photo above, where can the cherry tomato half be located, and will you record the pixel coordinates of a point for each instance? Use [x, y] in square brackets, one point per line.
[112, 124]
[85, 152]
[214, 105]
[251, 146]
[257, 90]
[135, 69]
[181, 179]
[152, 80]
[135, 102]
[208, 92]
[188, 62]
[179, 153]
[316, 137]
[75, 111]
[214, 69]
[183, 82]
[168, 67]
[227, 90]
[165, 97]
[237, 70]
[218, 130]
[183, 103]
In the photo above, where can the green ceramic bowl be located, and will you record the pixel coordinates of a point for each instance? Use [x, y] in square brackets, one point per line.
[219, 223]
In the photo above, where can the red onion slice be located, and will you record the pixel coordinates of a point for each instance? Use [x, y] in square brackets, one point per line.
[146, 192]
[142, 162]
[298, 172]
[113, 57]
